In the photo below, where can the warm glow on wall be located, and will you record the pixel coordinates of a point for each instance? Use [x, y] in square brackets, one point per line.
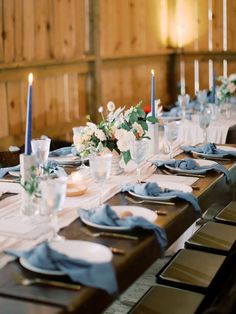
[180, 22]
[163, 21]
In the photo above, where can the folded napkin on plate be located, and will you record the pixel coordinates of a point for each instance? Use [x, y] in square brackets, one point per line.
[4, 171]
[106, 216]
[63, 151]
[190, 164]
[153, 189]
[209, 148]
[54, 168]
[97, 275]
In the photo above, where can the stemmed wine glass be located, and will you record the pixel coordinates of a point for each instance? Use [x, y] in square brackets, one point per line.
[138, 150]
[183, 101]
[40, 148]
[171, 134]
[202, 97]
[76, 134]
[100, 169]
[53, 192]
[204, 121]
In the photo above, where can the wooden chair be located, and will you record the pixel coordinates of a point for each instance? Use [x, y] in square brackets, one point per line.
[227, 214]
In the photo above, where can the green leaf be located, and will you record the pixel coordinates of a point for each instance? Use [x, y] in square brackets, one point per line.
[151, 119]
[141, 113]
[144, 125]
[133, 117]
[126, 156]
[125, 126]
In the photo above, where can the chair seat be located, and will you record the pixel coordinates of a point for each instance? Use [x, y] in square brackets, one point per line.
[191, 269]
[213, 237]
[163, 300]
[228, 214]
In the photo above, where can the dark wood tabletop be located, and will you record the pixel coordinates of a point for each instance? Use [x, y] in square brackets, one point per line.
[15, 298]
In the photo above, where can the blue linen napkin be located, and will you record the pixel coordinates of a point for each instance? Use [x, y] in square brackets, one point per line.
[97, 275]
[5, 170]
[209, 148]
[106, 216]
[153, 189]
[190, 164]
[54, 168]
[63, 151]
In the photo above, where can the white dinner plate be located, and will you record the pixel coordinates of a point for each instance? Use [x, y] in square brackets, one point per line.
[135, 210]
[168, 185]
[200, 162]
[84, 250]
[66, 160]
[215, 156]
[14, 173]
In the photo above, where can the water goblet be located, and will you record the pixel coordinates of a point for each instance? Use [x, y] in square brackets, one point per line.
[183, 101]
[40, 148]
[53, 192]
[77, 132]
[138, 151]
[204, 121]
[100, 169]
[201, 97]
[171, 134]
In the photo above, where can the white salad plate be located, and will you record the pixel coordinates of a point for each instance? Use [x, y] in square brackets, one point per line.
[200, 162]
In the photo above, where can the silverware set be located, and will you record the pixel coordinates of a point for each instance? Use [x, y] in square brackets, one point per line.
[131, 200]
[109, 235]
[48, 282]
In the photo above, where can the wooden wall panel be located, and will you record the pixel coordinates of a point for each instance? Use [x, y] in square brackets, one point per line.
[131, 27]
[13, 106]
[203, 25]
[217, 23]
[1, 31]
[231, 13]
[127, 85]
[4, 127]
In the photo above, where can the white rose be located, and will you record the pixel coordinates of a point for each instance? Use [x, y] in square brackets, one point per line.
[231, 88]
[124, 140]
[232, 77]
[100, 135]
[111, 106]
[92, 126]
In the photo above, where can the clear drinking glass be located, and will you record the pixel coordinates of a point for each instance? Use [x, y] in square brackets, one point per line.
[40, 148]
[100, 168]
[77, 133]
[171, 134]
[53, 192]
[138, 151]
[204, 121]
[183, 101]
[202, 97]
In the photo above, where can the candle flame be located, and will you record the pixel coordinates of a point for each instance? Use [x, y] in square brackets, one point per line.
[30, 78]
[152, 71]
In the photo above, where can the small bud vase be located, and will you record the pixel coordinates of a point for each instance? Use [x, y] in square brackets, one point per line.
[115, 165]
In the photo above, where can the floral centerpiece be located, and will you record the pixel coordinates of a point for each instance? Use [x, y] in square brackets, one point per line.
[115, 132]
[227, 88]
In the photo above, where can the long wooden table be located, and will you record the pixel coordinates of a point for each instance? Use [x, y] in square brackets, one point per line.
[140, 254]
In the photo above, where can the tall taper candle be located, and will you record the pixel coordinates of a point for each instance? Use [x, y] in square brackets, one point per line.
[213, 92]
[153, 94]
[28, 128]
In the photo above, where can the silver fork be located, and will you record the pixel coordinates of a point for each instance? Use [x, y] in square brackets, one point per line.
[31, 281]
[131, 200]
[109, 234]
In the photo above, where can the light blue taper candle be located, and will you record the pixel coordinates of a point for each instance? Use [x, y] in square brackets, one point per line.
[28, 128]
[153, 94]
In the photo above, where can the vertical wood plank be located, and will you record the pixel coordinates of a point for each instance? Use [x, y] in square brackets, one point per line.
[18, 30]
[13, 104]
[50, 101]
[217, 23]
[9, 25]
[42, 26]
[38, 101]
[60, 99]
[2, 34]
[73, 92]
[231, 29]
[4, 127]
[82, 97]
[28, 30]
[203, 25]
